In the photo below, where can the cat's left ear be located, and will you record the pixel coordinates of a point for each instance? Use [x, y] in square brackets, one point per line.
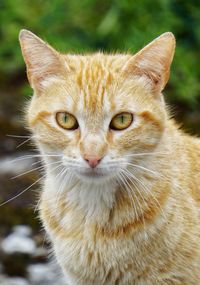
[42, 61]
[153, 62]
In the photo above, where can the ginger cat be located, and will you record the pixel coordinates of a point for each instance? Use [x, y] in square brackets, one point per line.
[121, 197]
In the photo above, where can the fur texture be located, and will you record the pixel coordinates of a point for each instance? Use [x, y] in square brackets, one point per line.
[134, 218]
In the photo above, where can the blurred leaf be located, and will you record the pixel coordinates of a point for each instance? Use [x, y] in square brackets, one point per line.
[112, 25]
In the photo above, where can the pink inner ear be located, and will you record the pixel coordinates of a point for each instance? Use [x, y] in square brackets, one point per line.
[42, 61]
[42, 67]
[154, 76]
[154, 79]
[153, 62]
[39, 74]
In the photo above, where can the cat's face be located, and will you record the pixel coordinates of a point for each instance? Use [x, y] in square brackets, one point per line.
[97, 114]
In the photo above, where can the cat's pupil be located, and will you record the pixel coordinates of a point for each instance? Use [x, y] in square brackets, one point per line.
[122, 119]
[65, 118]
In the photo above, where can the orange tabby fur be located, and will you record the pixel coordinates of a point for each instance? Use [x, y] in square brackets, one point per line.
[142, 228]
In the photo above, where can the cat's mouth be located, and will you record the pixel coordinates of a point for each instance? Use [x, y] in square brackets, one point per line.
[94, 174]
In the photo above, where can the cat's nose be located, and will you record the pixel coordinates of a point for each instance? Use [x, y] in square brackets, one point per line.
[93, 161]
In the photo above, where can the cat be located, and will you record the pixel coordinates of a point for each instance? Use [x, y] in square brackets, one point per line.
[121, 195]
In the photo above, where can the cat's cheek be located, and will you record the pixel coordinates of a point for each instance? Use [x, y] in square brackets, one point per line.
[51, 137]
[138, 139]
[52, 144]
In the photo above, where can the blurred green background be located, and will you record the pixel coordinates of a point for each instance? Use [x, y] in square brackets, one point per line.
[85, 26]
[109, 25]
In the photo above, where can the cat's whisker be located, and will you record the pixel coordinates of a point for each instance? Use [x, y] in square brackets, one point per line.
[18, 136]
[23, 191]
[50, 172]
[34, 169]
[139, 181]
[140, 194]
[148, 191]
[155, 174]
[146, 153]
[134, 178]
[130, 176]
[19, 194]
[66, 178]
[29, 156]
[36, 208]
[135, 187]
[58, 176]
[36, 162]
[27, 172]
[62, 174]
[141, 167]
[27, 140]
[127, 187]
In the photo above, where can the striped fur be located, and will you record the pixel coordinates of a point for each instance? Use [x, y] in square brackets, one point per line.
[138, 224]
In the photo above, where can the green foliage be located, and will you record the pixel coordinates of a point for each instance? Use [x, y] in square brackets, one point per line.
[111, 25]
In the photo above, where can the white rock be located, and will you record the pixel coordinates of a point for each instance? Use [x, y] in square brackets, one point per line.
[39, 273]
[22, 230]
[14, 281]
[45, 274]
[19, 242]
[41, 252]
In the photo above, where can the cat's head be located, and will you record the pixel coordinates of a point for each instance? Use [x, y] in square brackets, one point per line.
[97, 113]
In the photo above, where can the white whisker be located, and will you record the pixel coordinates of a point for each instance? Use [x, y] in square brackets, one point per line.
[16, 136]
[140, 167]
[19, 194]
[27, 140]
[148, 192]
[51, 171]
[141, 196]
[146, 153]
[128, 188]
[28, 156]
[34, 169]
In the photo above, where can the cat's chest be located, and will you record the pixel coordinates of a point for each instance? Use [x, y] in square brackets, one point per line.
[97, 260]
[88, 243]
[86, 252]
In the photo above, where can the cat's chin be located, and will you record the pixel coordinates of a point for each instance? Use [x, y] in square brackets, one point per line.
[93, 176]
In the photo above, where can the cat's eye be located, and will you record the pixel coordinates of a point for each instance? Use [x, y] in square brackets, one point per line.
[121, 121]
[66, 121]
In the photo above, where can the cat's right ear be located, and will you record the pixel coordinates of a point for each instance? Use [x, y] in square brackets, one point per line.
[152, 63]
[42, 61]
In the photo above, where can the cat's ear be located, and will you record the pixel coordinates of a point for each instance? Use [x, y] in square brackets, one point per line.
[42, 61]
[153, 62]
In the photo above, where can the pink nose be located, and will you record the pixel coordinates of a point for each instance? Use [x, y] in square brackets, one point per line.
[93, 161]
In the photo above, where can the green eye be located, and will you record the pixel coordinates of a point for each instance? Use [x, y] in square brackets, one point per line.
[121, 121]
[66, 121]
